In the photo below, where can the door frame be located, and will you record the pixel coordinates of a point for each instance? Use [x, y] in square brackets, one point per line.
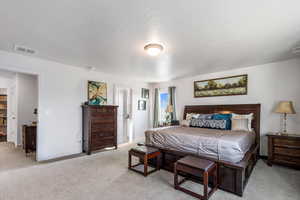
[17, 70]
[129, 122]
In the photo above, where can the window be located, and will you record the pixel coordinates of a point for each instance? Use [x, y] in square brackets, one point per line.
[164, 101]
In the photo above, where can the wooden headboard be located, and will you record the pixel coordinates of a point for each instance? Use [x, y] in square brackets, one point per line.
[233, 108]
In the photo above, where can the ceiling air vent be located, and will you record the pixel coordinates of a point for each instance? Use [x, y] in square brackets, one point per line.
[23, 49]
[296, 50]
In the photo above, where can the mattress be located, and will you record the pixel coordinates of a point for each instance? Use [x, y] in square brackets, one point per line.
[225, 145]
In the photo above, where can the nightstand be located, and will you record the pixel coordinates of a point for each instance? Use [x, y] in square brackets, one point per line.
[284, 149]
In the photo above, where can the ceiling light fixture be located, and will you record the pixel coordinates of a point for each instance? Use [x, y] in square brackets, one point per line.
[91, 68]
[153, 49]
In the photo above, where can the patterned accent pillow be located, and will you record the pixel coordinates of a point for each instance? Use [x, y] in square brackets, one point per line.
[190, 116]
[209, 123]
[226, 117]
[205, 116]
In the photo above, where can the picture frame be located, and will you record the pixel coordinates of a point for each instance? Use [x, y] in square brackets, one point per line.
[226, 86]
[97, 93]
[145, 93]
[142, 104]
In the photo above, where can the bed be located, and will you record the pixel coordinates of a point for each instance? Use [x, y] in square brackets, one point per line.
[225, 145]
[236, 153]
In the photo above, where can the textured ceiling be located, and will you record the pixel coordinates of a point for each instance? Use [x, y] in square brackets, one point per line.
[200, 36]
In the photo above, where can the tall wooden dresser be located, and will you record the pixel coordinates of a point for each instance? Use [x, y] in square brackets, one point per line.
[99, 127]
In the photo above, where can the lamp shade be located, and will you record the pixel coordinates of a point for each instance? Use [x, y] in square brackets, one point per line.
[169, 109]
[285, 107]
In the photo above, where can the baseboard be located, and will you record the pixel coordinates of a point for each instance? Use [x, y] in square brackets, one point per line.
[63, 158]
[263, 157]
[136, 140]
[83, 154]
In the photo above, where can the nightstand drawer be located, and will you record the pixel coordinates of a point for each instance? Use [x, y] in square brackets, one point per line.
[287, 152]
[286, 142]
[284, 149]
[287, 159]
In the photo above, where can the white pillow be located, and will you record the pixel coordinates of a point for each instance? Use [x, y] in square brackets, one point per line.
[185, 123]
[239, 124]
[244, 122]
[190, 116]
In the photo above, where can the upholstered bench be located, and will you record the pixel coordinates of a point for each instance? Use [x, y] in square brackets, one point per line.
[193, 166]
[144, 153]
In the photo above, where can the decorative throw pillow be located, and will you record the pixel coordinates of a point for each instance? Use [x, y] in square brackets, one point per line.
[205, 116]
[185, 123]
[248, 118]
[239, 125]
[209, 123]
[190, 116]
[226, 117]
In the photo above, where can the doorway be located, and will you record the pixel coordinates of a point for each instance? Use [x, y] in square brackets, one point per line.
[18, 119]
[123, 98]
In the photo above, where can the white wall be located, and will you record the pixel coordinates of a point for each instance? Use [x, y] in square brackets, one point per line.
[3, 91]
[61, 91]
[6, 79]
[267, 84]
[27, 100]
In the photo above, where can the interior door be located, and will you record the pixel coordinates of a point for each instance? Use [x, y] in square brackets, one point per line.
[123, 100]
[12, 121]
[122, 115]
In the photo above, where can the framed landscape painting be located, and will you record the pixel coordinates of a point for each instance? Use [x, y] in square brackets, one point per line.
[227, 86]
[97, 93]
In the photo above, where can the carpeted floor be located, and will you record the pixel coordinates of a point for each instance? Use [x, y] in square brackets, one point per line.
[105, 176]
[14, 158]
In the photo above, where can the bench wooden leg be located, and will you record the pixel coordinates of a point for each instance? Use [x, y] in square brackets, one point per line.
[145, 165]
[158, 162]
[129, 160]
[216, 177]
[175, 176]
[205, 184]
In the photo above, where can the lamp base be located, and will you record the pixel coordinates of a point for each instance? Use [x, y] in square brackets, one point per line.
[284, 123]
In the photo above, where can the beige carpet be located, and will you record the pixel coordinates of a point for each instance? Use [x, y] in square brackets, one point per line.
[105, 176]
[14, 158]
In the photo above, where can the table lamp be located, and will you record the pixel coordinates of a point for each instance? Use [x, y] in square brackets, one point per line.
[285, 107]
[169, 110]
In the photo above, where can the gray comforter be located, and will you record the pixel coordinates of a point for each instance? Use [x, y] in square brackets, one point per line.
[219, 144]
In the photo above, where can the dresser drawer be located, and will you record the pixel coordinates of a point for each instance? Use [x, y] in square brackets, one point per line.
[103, 110]
[103, 129]
[100, 115]
[102, 135]
[96, 127]
[286, 142]
[287, 152]
[286, 159]
[96, 122]
[99, 144]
